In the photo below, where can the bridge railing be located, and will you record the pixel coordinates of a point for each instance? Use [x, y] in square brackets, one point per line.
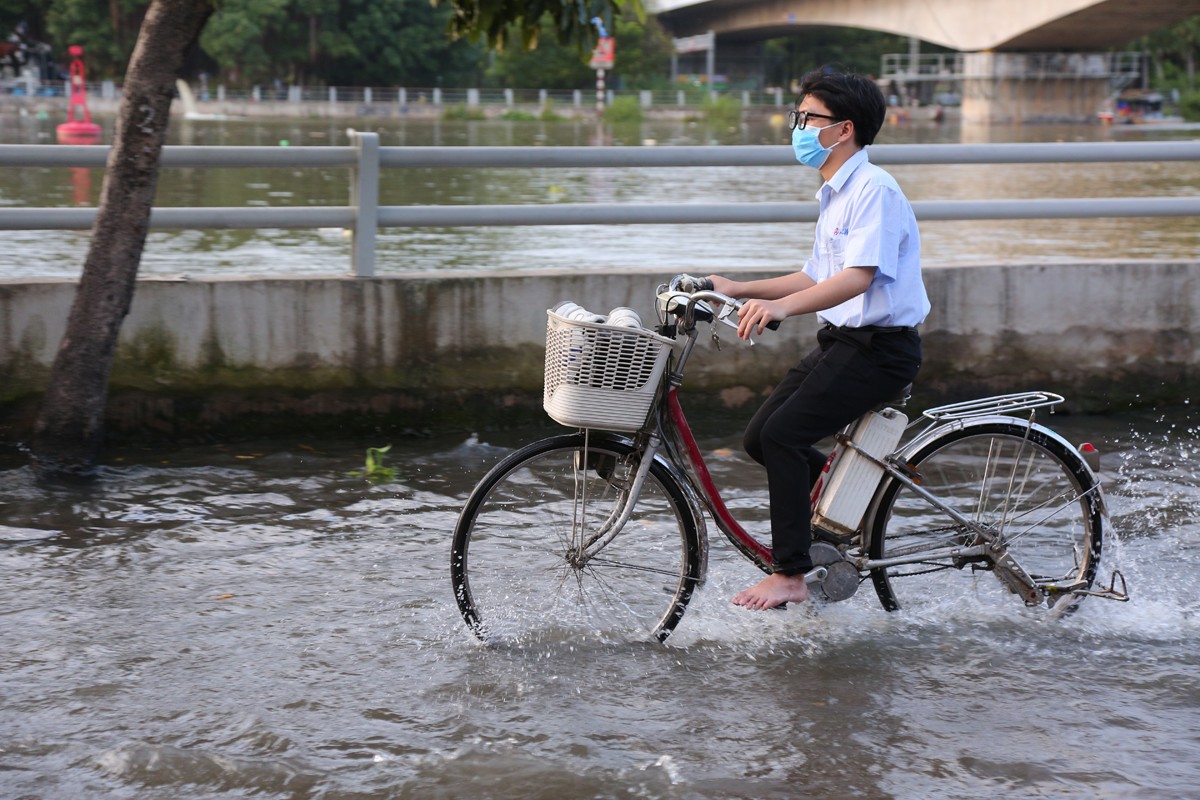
[367, 159]
[1117, 66]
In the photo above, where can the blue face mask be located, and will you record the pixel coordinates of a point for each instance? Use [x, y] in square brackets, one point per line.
[809, 151]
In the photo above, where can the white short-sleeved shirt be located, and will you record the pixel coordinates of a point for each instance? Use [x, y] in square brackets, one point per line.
[866, 221]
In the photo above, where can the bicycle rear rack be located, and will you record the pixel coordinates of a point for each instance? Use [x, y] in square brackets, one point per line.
[999, 404]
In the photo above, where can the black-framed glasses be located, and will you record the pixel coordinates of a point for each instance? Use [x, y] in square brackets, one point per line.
[799, 119]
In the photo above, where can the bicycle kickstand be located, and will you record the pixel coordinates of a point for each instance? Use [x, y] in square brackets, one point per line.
[1112, 592]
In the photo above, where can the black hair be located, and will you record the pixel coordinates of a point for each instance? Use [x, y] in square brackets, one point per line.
[848, 96]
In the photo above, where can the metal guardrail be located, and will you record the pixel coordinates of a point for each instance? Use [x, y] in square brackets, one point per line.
[366, 158]
[406, 97]
[951, 67]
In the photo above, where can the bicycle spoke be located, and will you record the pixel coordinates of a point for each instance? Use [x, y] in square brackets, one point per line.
[1069, 503]
[1014, 479]
[625, 565]
[519, 561]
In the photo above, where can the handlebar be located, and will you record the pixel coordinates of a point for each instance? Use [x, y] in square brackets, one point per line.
[697, 291]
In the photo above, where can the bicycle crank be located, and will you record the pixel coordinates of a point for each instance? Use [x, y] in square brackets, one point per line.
[832, 575]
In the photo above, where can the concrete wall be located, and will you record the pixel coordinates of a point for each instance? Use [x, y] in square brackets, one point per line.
[418, 350]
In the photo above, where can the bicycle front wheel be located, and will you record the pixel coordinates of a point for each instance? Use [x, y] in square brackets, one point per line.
[525, 564]
[1018, 481]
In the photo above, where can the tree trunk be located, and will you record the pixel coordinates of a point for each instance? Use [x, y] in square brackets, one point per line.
[70, 428]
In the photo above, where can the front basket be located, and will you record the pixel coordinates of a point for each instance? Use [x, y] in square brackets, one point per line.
[601, 376]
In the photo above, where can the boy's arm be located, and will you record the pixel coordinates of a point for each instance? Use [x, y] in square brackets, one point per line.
[849, 283]
[766, 289]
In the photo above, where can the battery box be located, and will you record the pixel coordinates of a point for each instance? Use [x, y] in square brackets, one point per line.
[853, 478]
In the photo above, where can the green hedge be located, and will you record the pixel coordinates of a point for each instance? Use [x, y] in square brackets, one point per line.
[1189, 106]
[624, 109]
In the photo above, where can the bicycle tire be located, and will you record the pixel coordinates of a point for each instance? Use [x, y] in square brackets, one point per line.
[988, 470]
[510, 561]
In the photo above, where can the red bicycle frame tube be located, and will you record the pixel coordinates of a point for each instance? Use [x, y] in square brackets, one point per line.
[747, 544]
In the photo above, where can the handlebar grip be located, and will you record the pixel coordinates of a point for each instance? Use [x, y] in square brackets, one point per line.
[704, 284]
[773, 325]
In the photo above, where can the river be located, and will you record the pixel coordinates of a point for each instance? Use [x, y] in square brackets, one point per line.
[253, 620]
[675, 248]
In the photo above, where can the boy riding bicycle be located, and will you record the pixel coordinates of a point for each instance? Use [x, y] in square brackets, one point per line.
[863, 280]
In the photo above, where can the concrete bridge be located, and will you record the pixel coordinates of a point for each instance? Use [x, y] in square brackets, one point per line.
[1000, 25]
[1007, 46]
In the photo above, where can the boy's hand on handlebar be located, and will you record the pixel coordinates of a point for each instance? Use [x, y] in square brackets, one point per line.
[723, 285]
[756, 315]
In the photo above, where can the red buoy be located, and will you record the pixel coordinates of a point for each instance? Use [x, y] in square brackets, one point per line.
[78, 129]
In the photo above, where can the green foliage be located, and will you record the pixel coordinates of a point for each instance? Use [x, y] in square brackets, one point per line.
[623, 110]
[517, 115]
[106, 31]
[462, 112]
[1173, 53]
[31, 12]
[338, 42]
[408, 43]
[496, 22]
[643, 55]
[550, 65]
[723, 110]
[643, 60]
[254, 38]
[549, 114]
[407, 38]
[334, 42]
[1189, 106]
[374, 470]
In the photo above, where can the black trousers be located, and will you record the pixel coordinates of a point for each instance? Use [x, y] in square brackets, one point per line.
[851, 371]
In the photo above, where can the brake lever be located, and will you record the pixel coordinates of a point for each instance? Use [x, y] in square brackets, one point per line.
[726, 313]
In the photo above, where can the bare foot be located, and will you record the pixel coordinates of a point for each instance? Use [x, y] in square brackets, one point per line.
[773, 590]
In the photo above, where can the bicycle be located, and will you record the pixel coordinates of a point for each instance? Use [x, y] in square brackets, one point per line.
[604, 529]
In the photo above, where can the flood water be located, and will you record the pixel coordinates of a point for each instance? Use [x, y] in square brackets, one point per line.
[674, 248]
[254, 621]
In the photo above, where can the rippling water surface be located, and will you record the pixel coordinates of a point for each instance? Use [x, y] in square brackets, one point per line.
[254, 621]
[674, 248]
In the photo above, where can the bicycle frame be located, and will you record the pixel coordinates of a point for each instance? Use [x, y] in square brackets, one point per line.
[975, 489]
[673, 428]
[668, 428]
[679, 434]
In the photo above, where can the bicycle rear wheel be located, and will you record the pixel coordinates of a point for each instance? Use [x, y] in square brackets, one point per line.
[1010, 477]
[515, 562]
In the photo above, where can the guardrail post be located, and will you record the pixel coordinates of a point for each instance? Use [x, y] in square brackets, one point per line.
[364, 196]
